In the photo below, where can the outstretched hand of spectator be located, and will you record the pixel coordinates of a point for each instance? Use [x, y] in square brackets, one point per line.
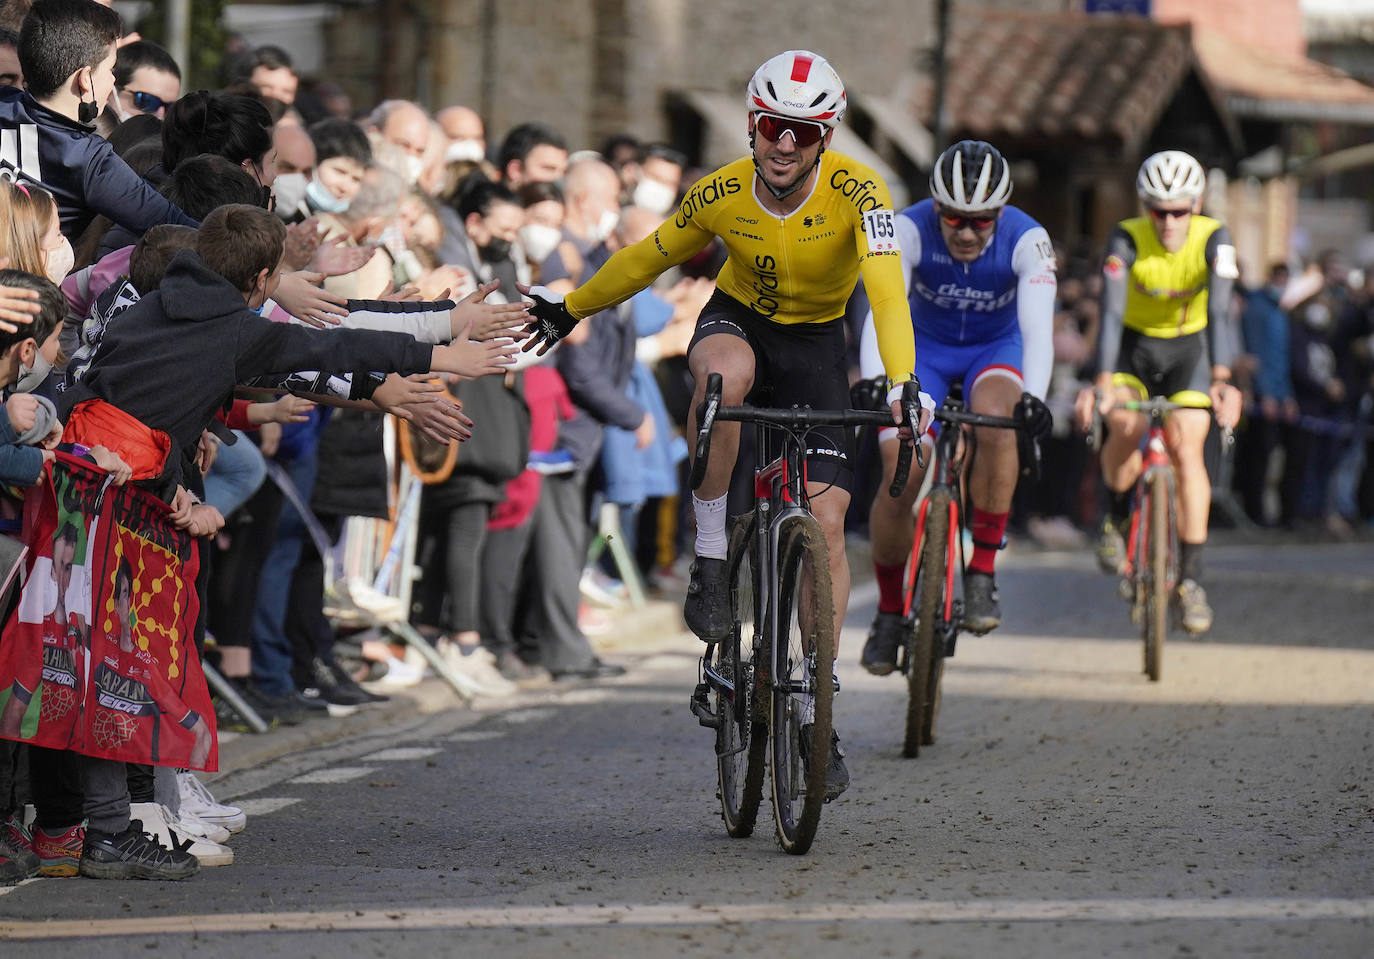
[110, 462]
[487, 321]
[472, 358]
[286, 409]
[409, 292]
[17, 305]
[405, 391]
[445, 281]
[302, 240]
[298, 295]
[334, 259]
[442, 420]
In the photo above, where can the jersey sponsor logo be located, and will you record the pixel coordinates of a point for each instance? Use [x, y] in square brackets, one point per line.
[750, 220]
[1114, 266]
[703, 195]
[658, 244]
[817, 236]
[765, 285]
[952, 296]
[747, 236]
[19, 153]
[811, 221]
[1164, 293]
[862, 192]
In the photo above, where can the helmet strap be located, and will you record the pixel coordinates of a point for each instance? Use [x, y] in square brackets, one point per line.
[797, 185]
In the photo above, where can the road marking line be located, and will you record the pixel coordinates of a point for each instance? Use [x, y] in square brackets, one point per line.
[334, 774]
[401, 754]
[989, 910]
[262, 807]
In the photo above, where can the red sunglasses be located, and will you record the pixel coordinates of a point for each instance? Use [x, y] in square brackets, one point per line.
[977, 223]
[804, 132]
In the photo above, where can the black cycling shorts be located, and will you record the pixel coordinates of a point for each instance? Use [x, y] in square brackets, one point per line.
[1178, 368]
[795, 364]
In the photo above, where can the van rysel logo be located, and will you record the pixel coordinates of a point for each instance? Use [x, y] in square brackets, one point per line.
[704, 195]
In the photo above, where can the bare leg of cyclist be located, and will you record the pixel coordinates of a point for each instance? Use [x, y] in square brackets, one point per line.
[829, 506]
[707, 608]
[992, 482]
[1185, 432]
[891, 529]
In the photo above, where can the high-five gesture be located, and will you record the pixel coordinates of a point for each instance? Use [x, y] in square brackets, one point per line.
[552, 321]
[478, 320]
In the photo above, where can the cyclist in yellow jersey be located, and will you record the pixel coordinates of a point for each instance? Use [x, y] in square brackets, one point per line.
[1167, 282]
[801, 225]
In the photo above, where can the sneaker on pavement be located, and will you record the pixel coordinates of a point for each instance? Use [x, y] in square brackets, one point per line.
[59, 854]
[16, 842]
[836, 772]
[1111, 548]
[197, 799]
[523, 674]
[133, 854]
[478, 666]
[1192, 604]
[707, 609]
[188, 823]
[164, 826]
[982, 613]
[345, 682]
[885, 637]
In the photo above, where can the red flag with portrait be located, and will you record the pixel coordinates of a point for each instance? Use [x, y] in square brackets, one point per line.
[99, 655]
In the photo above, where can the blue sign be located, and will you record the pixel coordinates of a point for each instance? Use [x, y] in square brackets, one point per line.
[1138, 7]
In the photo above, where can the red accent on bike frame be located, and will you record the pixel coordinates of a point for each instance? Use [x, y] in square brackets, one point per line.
[951, 559]
[909, 594]
[801, 69]
[763, 478]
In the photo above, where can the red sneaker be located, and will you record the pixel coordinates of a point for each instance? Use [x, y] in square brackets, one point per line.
[60, 854]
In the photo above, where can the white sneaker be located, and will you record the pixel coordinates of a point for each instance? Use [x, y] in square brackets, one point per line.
[197, 800]
[158, 821]
[400, 673]
[479, 667]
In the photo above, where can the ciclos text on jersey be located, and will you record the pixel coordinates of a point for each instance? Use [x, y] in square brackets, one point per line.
[703, 196]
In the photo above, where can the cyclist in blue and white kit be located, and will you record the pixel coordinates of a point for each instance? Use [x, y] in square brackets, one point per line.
[981, 283]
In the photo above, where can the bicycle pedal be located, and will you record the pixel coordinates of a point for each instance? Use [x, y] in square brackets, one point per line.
[701, 707]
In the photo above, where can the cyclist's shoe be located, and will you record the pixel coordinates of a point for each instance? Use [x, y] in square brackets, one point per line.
[982, 614]
[1111, 548]
[1196, 615]
[707, 609]
[884, 639]
[836, 772]
[134, 854]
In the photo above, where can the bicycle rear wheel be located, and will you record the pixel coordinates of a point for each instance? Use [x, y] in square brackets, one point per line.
[925, 655]
[802, 685]
[1155, 622]
[741, 743]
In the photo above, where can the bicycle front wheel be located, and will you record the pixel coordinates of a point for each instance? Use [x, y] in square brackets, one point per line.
[925, 654]
[1155, 622]
[741, 743]
[802, 684]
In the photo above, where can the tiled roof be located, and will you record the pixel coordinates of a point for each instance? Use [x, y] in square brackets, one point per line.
[1061, 77]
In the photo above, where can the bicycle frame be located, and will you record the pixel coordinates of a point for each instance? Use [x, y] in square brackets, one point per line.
[949, 467]
[1155, 461]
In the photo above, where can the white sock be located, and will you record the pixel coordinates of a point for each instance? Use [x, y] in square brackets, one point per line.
[710, 514]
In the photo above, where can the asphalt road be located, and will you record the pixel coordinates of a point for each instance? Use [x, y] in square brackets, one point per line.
[1070, 808]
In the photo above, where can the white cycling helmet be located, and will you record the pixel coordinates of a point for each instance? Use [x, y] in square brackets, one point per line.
[971, 176]
[798, 84]
[1168, 176]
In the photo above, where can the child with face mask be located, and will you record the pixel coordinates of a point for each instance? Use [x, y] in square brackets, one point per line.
[30, 232]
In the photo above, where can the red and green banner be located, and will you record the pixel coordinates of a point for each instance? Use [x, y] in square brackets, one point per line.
[98, 656]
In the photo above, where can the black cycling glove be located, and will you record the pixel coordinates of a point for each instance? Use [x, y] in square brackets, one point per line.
[552, 321]
[1034, 416]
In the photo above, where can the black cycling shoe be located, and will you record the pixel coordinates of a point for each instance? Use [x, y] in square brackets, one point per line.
[982, 614]
[836, 772]
[707, 609]
[133, 854]
[885, 637]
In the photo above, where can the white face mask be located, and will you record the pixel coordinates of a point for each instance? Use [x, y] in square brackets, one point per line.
[413, 168]
[604, 226]
[464, 151]
[31, 376]
[654, 196]
[58, 261]
[289, 189]
[539, 240]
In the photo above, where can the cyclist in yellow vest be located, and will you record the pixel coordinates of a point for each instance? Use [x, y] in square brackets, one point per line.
[1167, 282]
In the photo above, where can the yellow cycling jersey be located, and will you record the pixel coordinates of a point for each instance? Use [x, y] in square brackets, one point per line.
[1166, 293]
[800, 268]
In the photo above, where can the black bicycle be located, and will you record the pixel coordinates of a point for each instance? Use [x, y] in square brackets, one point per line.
[773, 703]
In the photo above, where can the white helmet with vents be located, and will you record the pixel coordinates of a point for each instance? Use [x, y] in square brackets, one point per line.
[971, 176]
[798, 84]
[1169, 176]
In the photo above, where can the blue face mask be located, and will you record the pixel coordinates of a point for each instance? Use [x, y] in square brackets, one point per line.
[319, 198]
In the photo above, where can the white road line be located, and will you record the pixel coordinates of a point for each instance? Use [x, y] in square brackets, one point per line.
[334, 774]
[964, 911]
[401, 754]
[264, 806]
[6, 890]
